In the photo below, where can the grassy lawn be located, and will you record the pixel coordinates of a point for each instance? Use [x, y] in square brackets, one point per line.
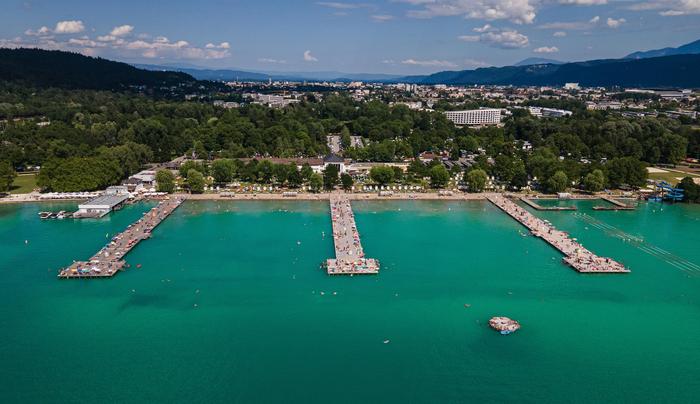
[24, 184]
[670, 176]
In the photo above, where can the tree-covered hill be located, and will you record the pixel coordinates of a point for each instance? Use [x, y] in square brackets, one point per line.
[44, 68]
[667, 71]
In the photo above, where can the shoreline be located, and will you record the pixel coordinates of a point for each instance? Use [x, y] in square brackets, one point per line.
[323, 196]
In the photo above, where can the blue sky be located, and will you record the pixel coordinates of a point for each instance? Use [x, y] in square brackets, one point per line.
[382, 36]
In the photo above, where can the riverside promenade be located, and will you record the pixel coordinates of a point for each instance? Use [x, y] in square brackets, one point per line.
[109, 260]
[349, 256]
[575, 255]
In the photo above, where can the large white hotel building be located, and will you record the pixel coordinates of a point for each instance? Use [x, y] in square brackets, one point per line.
[475, 117]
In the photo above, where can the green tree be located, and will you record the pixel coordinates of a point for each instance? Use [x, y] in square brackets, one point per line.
[7, 176]
[439, 176]
[294, 178]
[315, 182]
[594, 181]
[223, 170]
[691, 190]
[165, 181]
[330, 176]
[306, 172]
[382, 175]
[346, 181]
[345, 139]
[476, 180]
[195, 181]
[558, 182]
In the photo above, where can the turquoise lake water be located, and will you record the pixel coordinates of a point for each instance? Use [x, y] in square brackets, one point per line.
[227, 307]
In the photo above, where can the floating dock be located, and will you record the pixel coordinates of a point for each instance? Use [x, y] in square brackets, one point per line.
[110, 259]
[537, 206]
[617, 205]
[349, 256]
[575, 255]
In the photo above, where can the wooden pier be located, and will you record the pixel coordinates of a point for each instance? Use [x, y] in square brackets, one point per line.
[349, 256]
[575, 255]
[110, 259]
[537, 206]
[616, 204]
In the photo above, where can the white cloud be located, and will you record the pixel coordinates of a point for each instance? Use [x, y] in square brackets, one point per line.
[613, 23]
[43, 31]
[222, 45]
[669, 8]
[432, 63]
[69, 27]
[546, 49]
[482, 29]
[584, 2]
[571, 25]
[309, 57]
[506, 39]
[559, 34]
[341, 5]
[381, 17]
[122, 30]
[517, 11]
[274, 61]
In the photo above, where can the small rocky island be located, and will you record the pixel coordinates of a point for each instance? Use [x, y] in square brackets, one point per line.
[504, 325]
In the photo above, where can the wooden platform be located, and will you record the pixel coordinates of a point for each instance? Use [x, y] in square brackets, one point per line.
[537, 206]
[110, 259]
[575, 255]
[349, 255]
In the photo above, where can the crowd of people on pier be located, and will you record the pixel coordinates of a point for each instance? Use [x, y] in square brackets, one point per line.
[576, 255]
[108, 260]
[350, 258]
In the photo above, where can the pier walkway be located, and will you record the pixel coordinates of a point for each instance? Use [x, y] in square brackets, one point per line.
[575, 255]
[109, 260]
[617, 205]
[349, 256]
[537, 206]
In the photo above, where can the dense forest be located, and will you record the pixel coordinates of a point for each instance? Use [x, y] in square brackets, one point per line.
[45, 68]
[102, 136]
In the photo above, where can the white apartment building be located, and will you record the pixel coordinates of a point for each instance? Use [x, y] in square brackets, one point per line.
[475, 117]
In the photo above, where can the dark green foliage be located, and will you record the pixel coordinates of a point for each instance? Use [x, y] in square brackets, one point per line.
[626, 170]
[330, 176]
[7, 176]
[79, 174]
[558, 182]
[346, 181]
[382, 175]
[44, 68]
[195, 181]
[691, 190]
[165, 181]
[476, 180]
[594, 181]
[439, 176]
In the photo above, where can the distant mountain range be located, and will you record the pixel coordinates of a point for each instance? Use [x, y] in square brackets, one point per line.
[675, 67]
[687, 49]
[666, 71]
[44, 68]
[242, 75]
[538, 61]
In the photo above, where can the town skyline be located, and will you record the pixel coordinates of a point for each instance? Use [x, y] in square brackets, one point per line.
[394, 37]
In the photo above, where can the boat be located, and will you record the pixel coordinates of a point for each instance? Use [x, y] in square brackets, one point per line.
[44, 215]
